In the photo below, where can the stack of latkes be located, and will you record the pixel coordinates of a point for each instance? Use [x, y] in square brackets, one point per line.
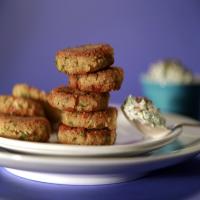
[86, 118]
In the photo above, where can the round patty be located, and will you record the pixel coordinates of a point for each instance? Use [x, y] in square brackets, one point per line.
[91, 120]
[20, 106]
[25, 128]
[67, 99]
[82, 136]
[84, 59]
[26, 91]
[101, 81]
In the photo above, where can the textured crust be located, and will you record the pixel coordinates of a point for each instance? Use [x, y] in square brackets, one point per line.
[20, 106]
[67, 99]
[91, 120]
[26, 91]
[84, 59]
[101, 81]
[82, 136]
[25, 128]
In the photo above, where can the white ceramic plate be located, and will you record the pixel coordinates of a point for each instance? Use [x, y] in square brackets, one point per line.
[129, 142]
[103, 170]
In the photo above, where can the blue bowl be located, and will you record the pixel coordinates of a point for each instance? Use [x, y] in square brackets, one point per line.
[174, 98]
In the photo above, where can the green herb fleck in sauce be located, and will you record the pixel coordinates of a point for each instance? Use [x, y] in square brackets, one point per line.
[143, 110]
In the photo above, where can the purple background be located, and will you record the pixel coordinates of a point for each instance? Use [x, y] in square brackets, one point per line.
[140, 31]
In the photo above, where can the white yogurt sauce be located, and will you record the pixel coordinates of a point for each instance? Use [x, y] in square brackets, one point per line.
[143, 110]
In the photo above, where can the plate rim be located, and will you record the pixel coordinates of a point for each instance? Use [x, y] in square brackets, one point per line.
[81, 150]
[187, 150]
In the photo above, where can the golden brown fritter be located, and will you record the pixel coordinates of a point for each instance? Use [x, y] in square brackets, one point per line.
[91, 120]
[67, 99]
[84, 59]
[101, 81]
[26, 91]
[82, 136]
[20, 106]
[25, 128]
